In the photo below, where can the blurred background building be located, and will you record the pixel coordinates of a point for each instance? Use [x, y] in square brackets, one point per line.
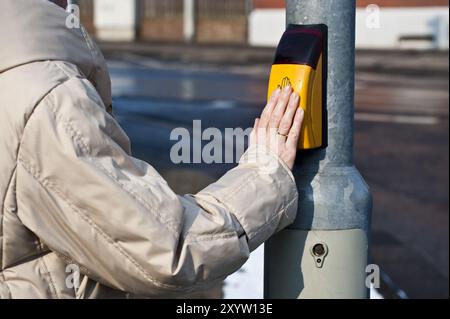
[261, 22]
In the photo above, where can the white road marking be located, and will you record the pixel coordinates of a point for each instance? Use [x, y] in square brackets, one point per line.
[391, 118]
[223, 104]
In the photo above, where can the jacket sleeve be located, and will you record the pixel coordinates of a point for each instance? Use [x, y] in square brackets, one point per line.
[82, 193]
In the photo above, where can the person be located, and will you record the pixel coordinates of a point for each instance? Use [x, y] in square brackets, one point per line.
[73, 197]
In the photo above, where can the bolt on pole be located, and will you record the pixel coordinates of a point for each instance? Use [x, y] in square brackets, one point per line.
[324, 253]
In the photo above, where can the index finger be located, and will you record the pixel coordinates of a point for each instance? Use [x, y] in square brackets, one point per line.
[265, 116]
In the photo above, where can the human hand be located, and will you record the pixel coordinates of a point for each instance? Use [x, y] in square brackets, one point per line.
[278, 129]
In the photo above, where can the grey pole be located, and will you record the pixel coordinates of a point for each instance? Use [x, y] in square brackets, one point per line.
[324, 253]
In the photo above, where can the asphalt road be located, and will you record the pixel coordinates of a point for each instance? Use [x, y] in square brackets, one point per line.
[401, 149]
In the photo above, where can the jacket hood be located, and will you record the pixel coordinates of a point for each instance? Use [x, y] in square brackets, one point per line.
[35, 30]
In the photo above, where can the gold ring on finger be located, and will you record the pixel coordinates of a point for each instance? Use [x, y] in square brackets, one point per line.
[284, 135]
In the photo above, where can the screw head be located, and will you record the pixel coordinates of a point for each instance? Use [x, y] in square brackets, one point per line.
[318, 250]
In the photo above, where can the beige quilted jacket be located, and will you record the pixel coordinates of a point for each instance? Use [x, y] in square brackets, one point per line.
[72, 195]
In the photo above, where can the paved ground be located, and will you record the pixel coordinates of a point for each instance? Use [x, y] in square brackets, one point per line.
[405, 160]
[401, 146]
[367, 60]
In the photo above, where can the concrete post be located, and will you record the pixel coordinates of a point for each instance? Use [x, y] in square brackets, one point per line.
[324, 253]
[188, 20]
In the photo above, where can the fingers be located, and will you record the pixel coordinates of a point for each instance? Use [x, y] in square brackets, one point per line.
[254, 133]
[278, 112]
[288, 117]
[265, 116]
[256, 125]
[294, 133]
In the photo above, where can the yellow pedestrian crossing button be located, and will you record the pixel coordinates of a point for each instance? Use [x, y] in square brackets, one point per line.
[300, 62]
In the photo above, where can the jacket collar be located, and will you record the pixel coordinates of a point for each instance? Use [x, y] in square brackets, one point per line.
[36, 30]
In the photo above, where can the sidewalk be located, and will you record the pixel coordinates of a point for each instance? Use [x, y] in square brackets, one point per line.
[427, 63]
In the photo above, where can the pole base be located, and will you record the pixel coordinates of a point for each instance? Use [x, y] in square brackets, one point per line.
[325, 264]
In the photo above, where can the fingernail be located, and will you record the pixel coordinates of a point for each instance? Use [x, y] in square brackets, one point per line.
[295, 96]
[275, 94]
[287, 88]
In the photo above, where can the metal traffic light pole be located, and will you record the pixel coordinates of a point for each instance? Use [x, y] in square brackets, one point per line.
[324, 253]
